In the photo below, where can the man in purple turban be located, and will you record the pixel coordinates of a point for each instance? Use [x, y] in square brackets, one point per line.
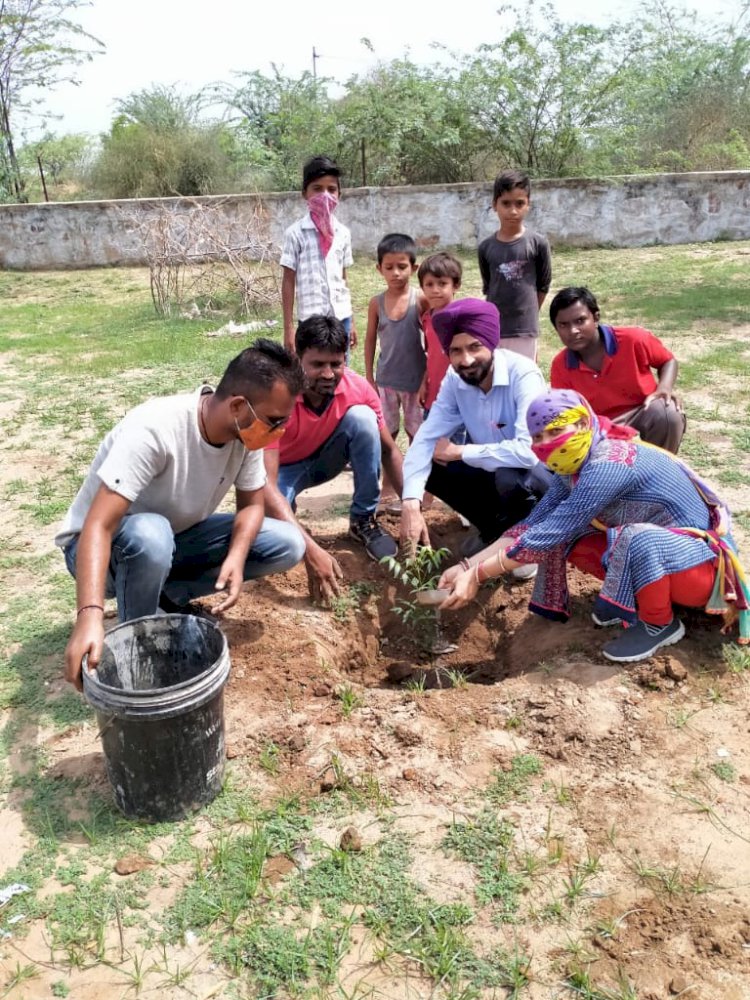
[494, 480]
[473, 316]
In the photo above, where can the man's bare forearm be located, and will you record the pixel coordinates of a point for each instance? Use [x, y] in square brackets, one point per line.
[393, 463]
[247, 522]
[92, 561]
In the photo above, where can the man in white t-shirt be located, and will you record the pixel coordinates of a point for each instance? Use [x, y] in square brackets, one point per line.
[143, 526]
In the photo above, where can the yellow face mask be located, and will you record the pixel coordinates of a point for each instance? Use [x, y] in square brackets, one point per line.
[566, 453]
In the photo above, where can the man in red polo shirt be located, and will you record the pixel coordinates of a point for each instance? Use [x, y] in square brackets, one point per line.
[336, 420]
[613, 367]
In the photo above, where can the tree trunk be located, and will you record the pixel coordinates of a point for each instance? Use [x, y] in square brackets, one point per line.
[14, 170]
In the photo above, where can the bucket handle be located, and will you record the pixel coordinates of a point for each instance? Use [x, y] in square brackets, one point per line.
[104, 728]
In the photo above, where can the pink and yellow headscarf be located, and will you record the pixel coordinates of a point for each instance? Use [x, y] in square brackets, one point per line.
[553, 410]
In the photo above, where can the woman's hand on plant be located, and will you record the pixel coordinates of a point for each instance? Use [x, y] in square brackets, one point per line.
[450, 576]
[464, 589]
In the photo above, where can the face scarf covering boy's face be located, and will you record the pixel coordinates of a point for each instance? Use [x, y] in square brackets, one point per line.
[321, 207]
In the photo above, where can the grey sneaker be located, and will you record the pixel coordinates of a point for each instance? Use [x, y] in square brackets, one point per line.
[527, 572]
[642, 640]
[378, 543]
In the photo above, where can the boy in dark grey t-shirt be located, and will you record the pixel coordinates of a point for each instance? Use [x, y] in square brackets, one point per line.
[515, 265]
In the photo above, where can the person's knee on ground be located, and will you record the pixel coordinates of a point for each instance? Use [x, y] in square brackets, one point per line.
[360, 425]
[518, 491]
[661, 424]
[281, 545]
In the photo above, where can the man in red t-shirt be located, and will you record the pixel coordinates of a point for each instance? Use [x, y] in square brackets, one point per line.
[613, 367]
[336, 420]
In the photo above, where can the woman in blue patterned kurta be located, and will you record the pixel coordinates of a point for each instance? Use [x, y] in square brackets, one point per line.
[632, 514]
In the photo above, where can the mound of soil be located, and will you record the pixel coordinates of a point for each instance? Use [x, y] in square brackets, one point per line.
[288, 655]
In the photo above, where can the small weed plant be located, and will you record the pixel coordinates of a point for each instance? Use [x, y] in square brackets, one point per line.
[350, 699]
[347, 603]
[486, 842]
[725, 771]
[268, 758]
[514, 783]
[736, 658]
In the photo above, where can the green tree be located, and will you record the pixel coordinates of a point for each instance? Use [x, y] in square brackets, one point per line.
[688, 104]
[65, 158]
[543, 91]
[40, 46]
[160, 107]
[159, 146]
[407, 124]
[280, 121]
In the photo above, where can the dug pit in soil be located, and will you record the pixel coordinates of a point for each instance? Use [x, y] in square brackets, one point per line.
[284, 649]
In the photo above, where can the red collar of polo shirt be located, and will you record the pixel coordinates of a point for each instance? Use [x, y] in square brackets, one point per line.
[607, 333]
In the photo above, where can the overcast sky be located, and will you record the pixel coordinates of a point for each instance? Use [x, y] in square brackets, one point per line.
[192, 43]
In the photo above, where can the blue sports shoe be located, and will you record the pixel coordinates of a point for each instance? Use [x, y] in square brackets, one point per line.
[642, 640]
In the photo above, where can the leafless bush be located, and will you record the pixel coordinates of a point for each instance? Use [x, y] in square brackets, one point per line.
[202, 257]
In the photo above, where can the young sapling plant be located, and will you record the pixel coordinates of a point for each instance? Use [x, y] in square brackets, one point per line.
[419, 573]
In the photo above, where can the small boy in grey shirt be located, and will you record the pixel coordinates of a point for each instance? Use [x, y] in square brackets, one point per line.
[515, 265]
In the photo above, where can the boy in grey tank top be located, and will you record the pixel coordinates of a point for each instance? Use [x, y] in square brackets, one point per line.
[393, 321]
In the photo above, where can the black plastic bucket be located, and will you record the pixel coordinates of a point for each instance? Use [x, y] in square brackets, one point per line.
[158, 693]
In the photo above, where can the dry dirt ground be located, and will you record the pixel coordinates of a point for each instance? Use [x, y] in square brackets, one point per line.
[628, 757]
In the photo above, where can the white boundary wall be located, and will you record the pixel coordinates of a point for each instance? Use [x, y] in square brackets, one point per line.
[610, 211]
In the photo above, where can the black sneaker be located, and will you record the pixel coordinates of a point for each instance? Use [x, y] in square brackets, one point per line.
[377, 543]
[642, 640]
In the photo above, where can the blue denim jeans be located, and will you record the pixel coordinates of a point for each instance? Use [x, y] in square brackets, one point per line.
[148, 559]
[355, 440]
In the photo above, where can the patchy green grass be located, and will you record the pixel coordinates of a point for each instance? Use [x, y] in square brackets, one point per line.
[78, 350]
[514, 782]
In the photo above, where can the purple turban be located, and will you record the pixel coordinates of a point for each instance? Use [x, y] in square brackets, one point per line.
[476, 317]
